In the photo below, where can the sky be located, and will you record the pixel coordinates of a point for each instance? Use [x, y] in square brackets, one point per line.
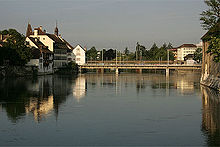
[108, 24]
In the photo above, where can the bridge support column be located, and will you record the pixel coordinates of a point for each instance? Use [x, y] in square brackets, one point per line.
[117, 71]
[102, 70]
[167, 71]
[139, 71]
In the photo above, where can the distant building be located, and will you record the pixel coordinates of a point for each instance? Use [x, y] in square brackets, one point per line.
[184, 50]
[54, 42]
[174, 51]
[200, 45]
[80, 54]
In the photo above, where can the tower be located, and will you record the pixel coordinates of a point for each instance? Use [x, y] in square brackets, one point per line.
[29, 30]
[56, 31]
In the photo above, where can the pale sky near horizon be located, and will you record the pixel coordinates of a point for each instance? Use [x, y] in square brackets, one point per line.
[109, 23]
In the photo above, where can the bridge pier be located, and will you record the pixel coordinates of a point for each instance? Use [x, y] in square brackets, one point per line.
[139, 71]
[167, 71]
[117, 71]
[100, 70]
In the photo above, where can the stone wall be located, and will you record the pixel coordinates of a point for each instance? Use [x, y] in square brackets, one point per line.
[210, 70]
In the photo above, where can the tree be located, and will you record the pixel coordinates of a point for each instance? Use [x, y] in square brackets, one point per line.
[198, 55]
[110, 54]
[126, 51]
[14, 49]
[210, 17]
[214, 48]
[92, 54]
[169, 46]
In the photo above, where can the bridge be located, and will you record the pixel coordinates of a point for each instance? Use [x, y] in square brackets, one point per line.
[139, 66]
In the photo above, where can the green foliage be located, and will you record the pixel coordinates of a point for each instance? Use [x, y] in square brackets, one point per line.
[14, 49]
[70, 69]
[91, 54]
[210, 17]
[214, 48]
[126, 51]
[110, 54]
[198, 55]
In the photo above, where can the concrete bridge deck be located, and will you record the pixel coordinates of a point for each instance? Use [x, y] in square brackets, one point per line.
[140, 67]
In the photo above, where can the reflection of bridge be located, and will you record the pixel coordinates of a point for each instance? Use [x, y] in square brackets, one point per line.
[140, 66]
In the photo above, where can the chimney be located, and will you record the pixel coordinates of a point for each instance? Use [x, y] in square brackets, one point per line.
[35, 33]
[41, 28]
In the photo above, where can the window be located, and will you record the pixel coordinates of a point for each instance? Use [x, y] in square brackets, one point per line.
[77, 59]
[43, 38]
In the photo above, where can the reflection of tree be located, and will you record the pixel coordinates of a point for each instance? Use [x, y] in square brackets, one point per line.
[13, 96]
[36, 96]
[211, 116]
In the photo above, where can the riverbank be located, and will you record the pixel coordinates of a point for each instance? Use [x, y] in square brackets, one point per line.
[17, 71]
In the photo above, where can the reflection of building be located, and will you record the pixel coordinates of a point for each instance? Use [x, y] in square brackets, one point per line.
[185, 87]
[211, 116]
[42, 102]
[40, 108]
[79, 89]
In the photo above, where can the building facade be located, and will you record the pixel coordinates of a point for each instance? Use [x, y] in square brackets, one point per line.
[42, 57]
[80, 55]
[54, 42]
[185, 50]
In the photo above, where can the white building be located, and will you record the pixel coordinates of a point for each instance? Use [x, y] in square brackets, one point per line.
[80, 55]
[185, 50]
[200, 45]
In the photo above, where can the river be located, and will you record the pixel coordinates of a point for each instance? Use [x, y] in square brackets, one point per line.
[109, 109]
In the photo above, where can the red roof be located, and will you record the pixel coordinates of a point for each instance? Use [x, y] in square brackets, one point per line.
[187, 45]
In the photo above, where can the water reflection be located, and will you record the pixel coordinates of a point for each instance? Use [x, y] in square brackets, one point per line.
[79, 88]
[186, 84]
[211, 116]
[39, 97]
[43, 96]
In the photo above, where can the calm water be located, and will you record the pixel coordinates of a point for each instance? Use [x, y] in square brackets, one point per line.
[91, 109]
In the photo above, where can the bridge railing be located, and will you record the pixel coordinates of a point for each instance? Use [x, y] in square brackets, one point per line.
[129, 62]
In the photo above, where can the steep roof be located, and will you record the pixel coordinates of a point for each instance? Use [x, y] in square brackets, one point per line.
[214, 31]
[70, 46]
[80, 47]
[187, 45]
[54, 38]
[38, 43]
[60, 45]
